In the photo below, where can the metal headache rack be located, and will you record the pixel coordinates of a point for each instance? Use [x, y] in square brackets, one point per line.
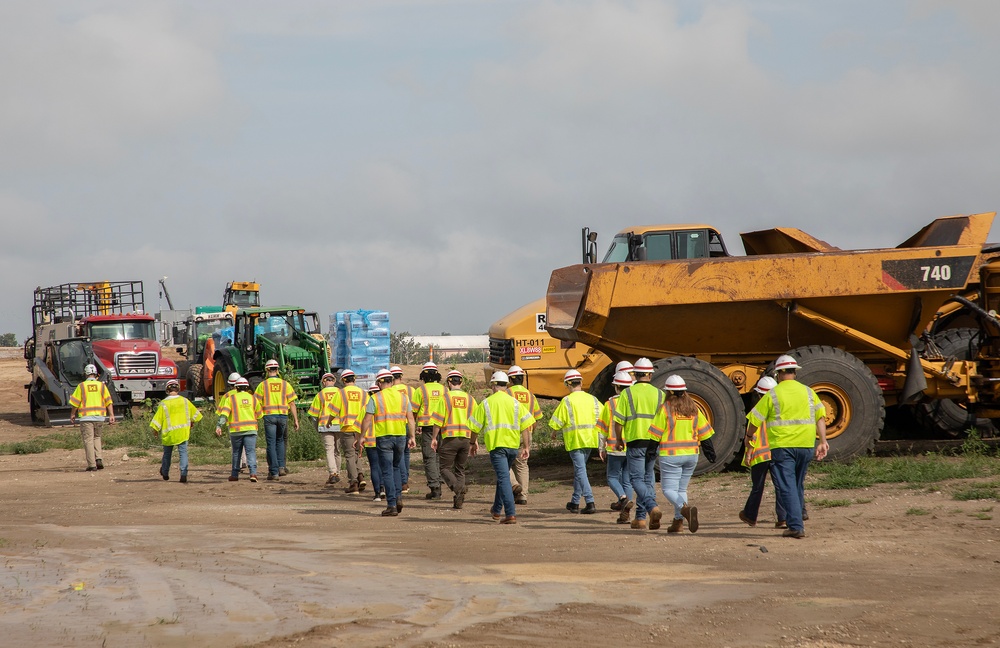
[72, 301]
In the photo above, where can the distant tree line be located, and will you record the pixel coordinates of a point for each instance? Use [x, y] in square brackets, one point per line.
[8, 340]
[404, 350]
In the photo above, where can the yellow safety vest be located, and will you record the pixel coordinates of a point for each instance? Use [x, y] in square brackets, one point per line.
[635, 409]
[679, 435]
[428, 404]
[759, 450]
[606, 430]
[276, 396]
[458, 408]
[527, 399]
[321, 402]
[791, 411]
[577, 415]
[500, 419]
[242, 411]
[173, 419]
[91, 398]
[351, 402]
[390, 413]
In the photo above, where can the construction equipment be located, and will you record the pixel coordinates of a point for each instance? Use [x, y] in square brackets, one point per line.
[56, 355]
[864, 324]
[198, 366]
[279, 333]
[241, 294]
[123, 336]
[521, 338]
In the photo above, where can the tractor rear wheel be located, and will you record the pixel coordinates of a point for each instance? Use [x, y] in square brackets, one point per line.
[219, 384]
[855, 409]
[718, 399]
[945, 417]
[195, 380]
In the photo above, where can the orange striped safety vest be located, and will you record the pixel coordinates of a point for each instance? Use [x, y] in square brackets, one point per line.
[458, 407]
[679, 435]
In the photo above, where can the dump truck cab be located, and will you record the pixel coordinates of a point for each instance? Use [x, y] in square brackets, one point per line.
[520, 337]
[241, 294]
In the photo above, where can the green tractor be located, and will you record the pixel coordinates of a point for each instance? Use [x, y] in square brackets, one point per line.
[281, 333]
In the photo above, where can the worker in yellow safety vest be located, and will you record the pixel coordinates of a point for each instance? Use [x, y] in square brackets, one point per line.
[327, 424]
[428, 410]
[348, 407]
[634, 411]
[795, 418]
[455, 437]
[757, 457]
[520, 475]
[682, 430]
[92, 404]
[390, 417]
[240, 410]
[504, 425]
[367, 442]
[277, 398]
[406, 390]
[173, 418]
[576, 417]
[618, 477]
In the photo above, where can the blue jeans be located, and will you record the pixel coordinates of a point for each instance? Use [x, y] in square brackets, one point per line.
[182, 458]
[675, 473]
[788, 470]
[619, 479]
[376, 469]
[581, 482]
[502, 460]
[241, 442]
[758, 480]
[641, 460]
[390, 456]
[275, 435]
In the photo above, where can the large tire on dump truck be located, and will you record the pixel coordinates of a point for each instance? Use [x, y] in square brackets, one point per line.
[855, 409]
[602, 388]
[195, 380]
[717, 397]
[943, 417]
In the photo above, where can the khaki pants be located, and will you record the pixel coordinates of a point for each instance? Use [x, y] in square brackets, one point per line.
[453, 455]
[332, 458]
[91, 433]
[346, 442]
[519, 475]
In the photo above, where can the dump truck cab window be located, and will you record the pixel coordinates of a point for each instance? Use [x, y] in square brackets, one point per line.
[658, 246]
[618, 252]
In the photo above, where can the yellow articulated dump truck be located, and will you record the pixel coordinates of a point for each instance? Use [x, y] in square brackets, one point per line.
[911, 326]
[521, 337]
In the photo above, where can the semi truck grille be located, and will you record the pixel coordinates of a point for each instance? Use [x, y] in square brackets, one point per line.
[501, 351]
[136, 364]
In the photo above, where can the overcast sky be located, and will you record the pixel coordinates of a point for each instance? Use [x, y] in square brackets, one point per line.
[437, 159]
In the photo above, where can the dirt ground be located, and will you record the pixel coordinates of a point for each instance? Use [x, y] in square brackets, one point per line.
[121, 558]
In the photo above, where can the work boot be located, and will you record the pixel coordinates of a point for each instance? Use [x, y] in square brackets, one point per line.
[510, 519]
[744, 518]
[434, 494]
[638, 524]
[496, 516]
[459, 498]
[676, 526]
[626, 512]
[617, 506]
[352, 489]
[165, 476]
[589, 509]
[654, 518]
[518, 491]
[572, 508]
[690, 514]
[780, 524]
[406, 487]
[792, 533]
[282, 471]
[390, 511]
[521, 501]
[100, 466]
[184, 478]
[234, 478]
[253, 478]
[271, 477]
[361, 482]
[399, 506]
[332, 479]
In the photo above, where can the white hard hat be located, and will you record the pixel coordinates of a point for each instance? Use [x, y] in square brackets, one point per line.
[572, 374]
[429, 366]
[89, 370]
[499, 377]
[374, 388]
[383, 374]
[515, 371]
[271, 364]
[622, 378]
[643, 365]
[395, 370]
[455, 373]
[346, 373]
[173, 384]
[233, 377]
[328, 376]
[765, 385]
[785, 362]
[242, 382]
[675, 383]
[625, 366]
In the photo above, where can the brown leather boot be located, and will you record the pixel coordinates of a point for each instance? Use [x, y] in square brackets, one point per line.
[690, 514]
[626, 512]
[654, 518]
[638, 524]
[676, 526]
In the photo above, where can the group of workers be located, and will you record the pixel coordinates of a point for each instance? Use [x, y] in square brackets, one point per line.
[639, 427]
